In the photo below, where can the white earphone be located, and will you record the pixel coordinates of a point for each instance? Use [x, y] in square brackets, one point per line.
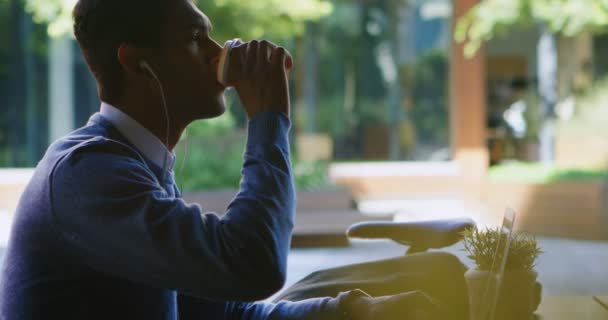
[144, 65]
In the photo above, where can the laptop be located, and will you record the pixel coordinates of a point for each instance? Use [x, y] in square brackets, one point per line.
[487, 307]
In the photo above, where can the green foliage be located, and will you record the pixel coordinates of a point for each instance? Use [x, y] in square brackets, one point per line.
[311, 176]
[427, 80]
[331, 118]
[215, 162]
[232, 18]
[488, 18]
[571, 17]
[486, 246]
[5, 36]
[3, 158]
[493, 17]
[56, 13]
[210, 157]
[277, 19]
[372, 112]
[543, 174]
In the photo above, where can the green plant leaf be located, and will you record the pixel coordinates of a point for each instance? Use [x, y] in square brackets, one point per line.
[486, 246]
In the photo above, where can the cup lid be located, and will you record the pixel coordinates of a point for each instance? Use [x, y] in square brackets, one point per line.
[222, 72]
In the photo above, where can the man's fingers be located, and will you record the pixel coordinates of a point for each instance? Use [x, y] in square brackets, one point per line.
[278, 58]
[262, 83]
[408, 305]
[252, 56]
[423, 304]
[264, 53]
[417, 299]
[288, 60]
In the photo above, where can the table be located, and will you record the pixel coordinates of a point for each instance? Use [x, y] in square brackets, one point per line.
[573, 308]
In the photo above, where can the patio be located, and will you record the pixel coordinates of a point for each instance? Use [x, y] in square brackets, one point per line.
[566, 268]
[571, 271]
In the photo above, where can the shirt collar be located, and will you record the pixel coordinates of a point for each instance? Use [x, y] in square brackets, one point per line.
[144, 140]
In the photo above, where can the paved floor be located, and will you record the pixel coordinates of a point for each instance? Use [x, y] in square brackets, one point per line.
[566, 268]
[572, 269]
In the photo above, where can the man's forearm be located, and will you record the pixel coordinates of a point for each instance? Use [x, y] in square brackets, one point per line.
[326, 308]
[258, 223]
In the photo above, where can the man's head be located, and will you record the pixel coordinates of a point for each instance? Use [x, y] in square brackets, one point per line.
[519, 86]
[172, 36]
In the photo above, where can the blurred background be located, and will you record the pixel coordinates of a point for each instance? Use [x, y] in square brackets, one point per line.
[402, 109]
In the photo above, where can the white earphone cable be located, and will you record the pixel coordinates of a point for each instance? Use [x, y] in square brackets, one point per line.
[168, 121]
[185, 156]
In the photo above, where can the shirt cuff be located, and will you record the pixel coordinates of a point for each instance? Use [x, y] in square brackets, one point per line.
[269, 127]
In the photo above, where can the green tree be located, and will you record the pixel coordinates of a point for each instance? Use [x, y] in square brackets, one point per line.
[275, 18]
[493, 17]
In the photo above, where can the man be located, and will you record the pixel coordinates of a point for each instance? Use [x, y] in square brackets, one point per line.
[523, 119]
[101, 231]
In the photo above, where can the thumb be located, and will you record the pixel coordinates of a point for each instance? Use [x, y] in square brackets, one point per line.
[288, 61]
[279, 58]
[282, 59]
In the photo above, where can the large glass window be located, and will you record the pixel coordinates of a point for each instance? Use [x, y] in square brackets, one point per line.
[46, 89]
[23, 82]
[372, 80]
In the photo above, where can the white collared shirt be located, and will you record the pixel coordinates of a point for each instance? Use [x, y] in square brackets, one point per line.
[144, 140]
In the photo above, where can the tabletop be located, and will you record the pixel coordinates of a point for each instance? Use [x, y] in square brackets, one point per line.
[573, 307]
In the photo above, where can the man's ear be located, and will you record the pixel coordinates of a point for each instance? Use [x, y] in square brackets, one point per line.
[130, 58]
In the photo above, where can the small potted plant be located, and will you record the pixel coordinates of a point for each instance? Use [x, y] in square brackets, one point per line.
[519, 295]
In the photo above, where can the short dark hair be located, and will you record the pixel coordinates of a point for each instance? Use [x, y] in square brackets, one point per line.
[520, 83]
[101, 26]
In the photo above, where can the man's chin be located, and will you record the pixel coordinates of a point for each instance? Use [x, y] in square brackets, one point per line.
[211, 111]
[220, 106]
[220, 112]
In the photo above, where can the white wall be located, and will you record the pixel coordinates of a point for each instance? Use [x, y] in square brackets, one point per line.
[12, 184]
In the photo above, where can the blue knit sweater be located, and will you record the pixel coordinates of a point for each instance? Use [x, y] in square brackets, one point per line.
[101, 232]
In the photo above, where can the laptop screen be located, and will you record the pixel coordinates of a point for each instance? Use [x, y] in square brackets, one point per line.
[492, 288]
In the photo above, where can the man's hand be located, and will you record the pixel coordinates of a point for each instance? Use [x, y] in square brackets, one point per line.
[260, 76]
[405, 306]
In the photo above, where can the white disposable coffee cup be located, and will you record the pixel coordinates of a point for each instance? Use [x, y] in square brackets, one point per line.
[222, 72]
